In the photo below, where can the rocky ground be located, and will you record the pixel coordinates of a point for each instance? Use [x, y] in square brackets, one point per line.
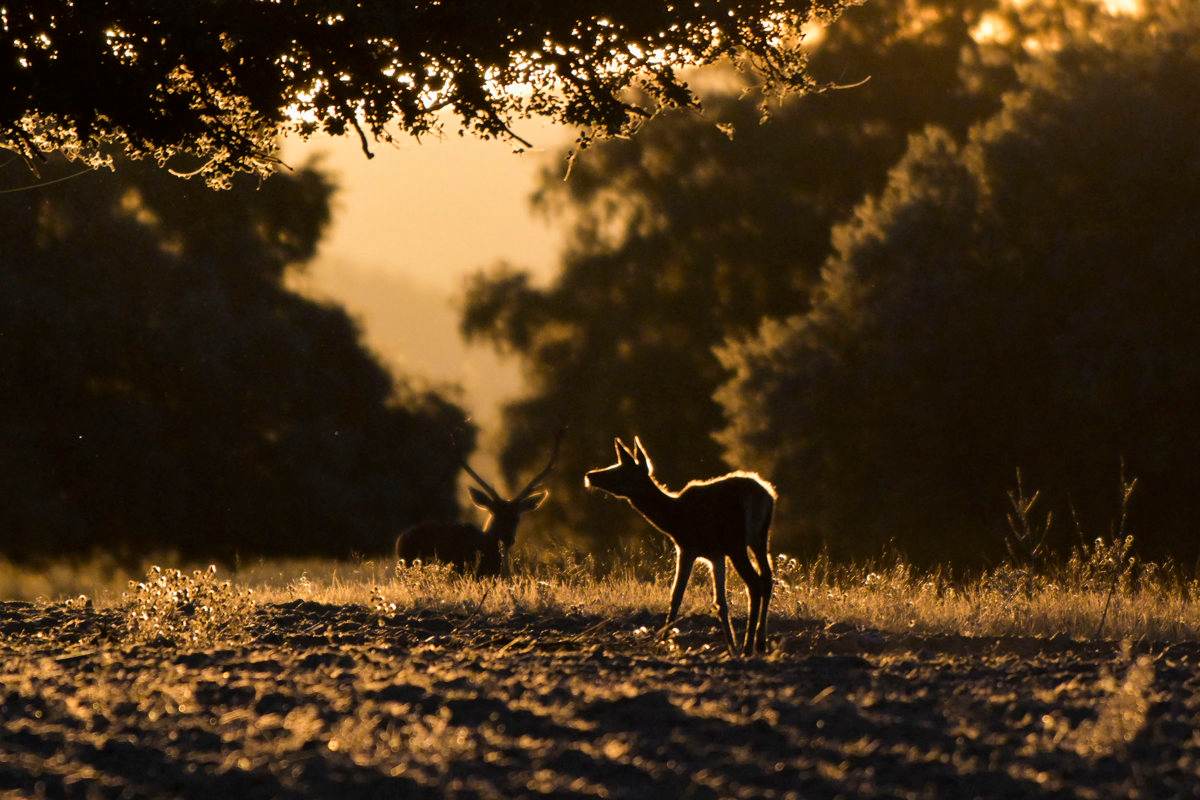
[343, 701]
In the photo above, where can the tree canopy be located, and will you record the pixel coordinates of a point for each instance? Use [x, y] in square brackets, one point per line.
[162, 390]
[205, 87]
[1024, 298]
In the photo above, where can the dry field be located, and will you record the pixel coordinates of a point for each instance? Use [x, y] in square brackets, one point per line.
[365, 683]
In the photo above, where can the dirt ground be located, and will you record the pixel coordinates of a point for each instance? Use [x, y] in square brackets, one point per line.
[338, 701]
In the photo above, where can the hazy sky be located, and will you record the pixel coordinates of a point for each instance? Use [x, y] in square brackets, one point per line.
[409, 224]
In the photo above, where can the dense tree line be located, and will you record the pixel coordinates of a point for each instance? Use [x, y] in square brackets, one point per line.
[161, 389]
[1026, 298]
[206, 86]
[940, 338]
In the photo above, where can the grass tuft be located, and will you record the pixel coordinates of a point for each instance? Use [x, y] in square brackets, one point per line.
[189, 610]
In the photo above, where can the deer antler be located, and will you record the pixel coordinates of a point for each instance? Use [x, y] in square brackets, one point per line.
[487, 487]
[529, 487]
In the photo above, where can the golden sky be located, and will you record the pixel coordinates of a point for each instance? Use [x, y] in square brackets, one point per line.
[409, 224]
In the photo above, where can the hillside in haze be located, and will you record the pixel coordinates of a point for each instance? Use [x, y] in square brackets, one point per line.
[408, 226]
[413, 326]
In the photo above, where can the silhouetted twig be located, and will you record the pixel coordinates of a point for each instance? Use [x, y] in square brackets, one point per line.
[1127, 488]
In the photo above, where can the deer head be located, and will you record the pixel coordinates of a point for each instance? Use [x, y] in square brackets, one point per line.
[632, 474]
[504, 514]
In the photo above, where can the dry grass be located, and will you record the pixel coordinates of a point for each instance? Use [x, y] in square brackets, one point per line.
[891, 599]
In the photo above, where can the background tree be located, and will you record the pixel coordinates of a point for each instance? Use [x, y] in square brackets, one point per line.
[1026, 299]
[217, 81]
[163, 391]
[681, 237]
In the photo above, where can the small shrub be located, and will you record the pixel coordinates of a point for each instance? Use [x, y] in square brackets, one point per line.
[382, 608]
[301, 587]
[1096, 565]
[425, 578]
[195, 610]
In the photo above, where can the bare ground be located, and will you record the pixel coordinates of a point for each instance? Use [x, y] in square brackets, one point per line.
[338, 701]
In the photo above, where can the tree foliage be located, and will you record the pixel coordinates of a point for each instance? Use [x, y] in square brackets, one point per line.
[163, 391]
[206, 86]
[1026, 298]
[682, 236]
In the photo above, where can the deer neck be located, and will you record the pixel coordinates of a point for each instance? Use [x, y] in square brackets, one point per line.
[658, 506]
[499, 533]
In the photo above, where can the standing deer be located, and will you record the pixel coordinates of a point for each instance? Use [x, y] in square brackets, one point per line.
[482, 551]
[711, 519]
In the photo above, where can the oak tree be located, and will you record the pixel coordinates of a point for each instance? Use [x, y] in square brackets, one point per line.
[206, 86]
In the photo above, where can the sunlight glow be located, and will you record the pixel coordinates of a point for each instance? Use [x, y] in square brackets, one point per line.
[917, 19]
[1124, 8]
[813, 33]
[992, 29]
[302, 110]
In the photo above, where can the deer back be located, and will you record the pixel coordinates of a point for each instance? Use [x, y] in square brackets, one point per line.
[458, 544]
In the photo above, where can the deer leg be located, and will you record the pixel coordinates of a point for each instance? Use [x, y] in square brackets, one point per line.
[768, 583]
[722, 603]
[741, 563]
[683, 571]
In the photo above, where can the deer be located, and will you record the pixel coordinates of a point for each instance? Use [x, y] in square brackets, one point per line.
[714, 520]
[469, 548]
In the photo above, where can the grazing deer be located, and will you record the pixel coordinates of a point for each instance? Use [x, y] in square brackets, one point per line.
[712, 519]
[482, 551]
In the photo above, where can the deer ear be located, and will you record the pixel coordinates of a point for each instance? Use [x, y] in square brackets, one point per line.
[640, 455]
[533, 500]
[480, 498]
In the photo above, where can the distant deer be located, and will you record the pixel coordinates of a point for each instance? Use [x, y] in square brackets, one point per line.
[468, 547]
[712, 519]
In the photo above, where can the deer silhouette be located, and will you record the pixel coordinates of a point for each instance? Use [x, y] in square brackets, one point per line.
[482, 551]
[710, 519]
